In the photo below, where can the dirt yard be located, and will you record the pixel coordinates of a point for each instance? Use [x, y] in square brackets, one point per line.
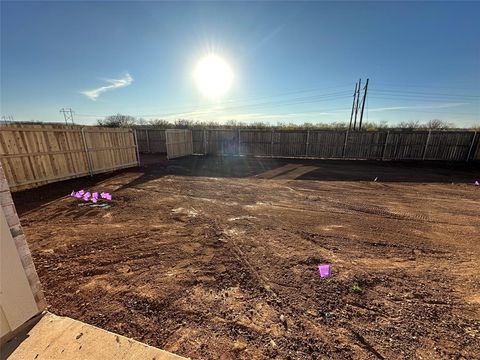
[217, 258]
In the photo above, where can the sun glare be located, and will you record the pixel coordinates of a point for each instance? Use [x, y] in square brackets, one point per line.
[213, 76]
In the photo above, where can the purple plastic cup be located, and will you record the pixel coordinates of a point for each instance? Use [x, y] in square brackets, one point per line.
[324, 270]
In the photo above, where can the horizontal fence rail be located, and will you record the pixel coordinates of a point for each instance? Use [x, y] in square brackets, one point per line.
[33, 155]
[331, 144]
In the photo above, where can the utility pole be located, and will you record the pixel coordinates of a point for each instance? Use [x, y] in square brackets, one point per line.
[353, 106]
[67, 114]
[356, 106]
[363, 105]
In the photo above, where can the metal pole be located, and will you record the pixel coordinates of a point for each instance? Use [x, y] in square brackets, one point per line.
[353, 106]
[345, 144]
[385, 145]
[426, 145]
[471, 146]
[356, 106]
[363, 105]
[87, 152]
[307, 143]
[136, 145]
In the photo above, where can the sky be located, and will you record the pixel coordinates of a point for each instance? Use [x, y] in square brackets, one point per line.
[292, 62]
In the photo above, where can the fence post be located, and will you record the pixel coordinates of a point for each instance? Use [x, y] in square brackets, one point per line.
[271, 145]
[307, 143]
[239, 142]
[136, 145]
[148, 141]
[345, 144]
[87, 153]
[385, 145]
[426, 145]
[204, 142]
[471, 146]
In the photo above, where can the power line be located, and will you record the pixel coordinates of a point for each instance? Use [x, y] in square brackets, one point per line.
[298, 100]
[423, 86]
[424, 93]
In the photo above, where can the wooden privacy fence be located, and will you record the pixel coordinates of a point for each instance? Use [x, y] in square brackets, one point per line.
[385, 145]
[179, 143]
[33, 155]
[151, 140]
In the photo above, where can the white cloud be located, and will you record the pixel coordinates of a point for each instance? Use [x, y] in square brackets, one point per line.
[114, 84]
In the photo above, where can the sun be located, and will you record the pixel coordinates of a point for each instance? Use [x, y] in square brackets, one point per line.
[213, 76]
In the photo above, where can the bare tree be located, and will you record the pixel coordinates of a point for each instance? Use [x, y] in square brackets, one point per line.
[118, 120]
[412, 124]
[437, 124]
[160, 123]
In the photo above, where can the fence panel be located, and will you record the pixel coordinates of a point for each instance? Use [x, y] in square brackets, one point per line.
[199, 141]
[110, 149]
[151, 140]
[157, 141]
[289, 143]
[406, 145]
[179, 143]
[222, 142]
[365, 145]
[256, 142]
[325, 144]
[34, 155]
[448, 146]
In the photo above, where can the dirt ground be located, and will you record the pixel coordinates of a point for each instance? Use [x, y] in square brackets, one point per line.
[217, 258]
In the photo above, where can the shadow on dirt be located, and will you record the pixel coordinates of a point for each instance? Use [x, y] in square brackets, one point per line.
[155, 166]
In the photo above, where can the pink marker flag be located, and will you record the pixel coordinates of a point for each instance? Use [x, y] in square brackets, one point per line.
[324, 270]
[73, 193]
[477, 183]
[78, 195]
[81, 192]
[94, 200]
[95, 195]
[108, 196]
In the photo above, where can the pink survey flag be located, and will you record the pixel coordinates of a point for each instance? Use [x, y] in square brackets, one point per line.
[108, 196]
[324, 270]
[95, 195]
[477, 183]
[78, 195]
[94, 199]
[81, 192]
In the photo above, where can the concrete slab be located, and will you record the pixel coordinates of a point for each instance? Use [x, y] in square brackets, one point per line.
[55, 338]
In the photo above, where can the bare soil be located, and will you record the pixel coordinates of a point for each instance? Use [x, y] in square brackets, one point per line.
[216, 258]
